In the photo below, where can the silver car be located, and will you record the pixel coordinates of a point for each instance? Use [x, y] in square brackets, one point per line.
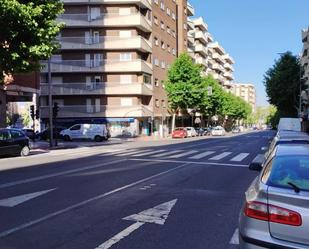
[276, 209]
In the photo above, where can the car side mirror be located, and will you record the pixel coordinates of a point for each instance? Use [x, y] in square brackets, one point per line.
[255, 166]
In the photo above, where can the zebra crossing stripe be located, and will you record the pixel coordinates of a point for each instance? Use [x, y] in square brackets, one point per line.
[202, 155]
[183, 154]
[149, 153]
[240, 157]
[220, 156]
[168, 153]
[131, 153]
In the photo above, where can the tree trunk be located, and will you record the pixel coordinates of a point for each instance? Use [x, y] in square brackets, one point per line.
[2, 108]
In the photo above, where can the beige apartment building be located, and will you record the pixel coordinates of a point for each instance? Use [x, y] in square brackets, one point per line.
[305, 66]
[210, 54]
[112, 62]
[246, 92]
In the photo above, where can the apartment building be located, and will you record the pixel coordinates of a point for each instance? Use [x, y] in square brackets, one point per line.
[305, 66]
[112, 63]
[210, 54]
[246, 92]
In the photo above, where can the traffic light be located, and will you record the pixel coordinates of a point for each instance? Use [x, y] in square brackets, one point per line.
[37, 113]
[32, 111]
[55, 110]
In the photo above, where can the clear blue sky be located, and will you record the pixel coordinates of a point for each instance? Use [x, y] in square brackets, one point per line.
[253, 32]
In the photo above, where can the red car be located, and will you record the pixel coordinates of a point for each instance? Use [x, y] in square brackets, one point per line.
[179, 132]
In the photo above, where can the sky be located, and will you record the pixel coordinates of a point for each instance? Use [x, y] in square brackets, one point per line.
[253, 32]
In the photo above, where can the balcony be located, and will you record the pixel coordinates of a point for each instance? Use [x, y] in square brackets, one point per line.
[201, 61]
[106, 20]
[145, 4]
[218, 77]
[88, 66]
[217, 47]
[228, 58]
[190, 24]
[229, 75]
[98, 88]
[229, 67]
[107, 43]
[218, 58]
[216, 66]
[190, 38]
[190, 10]
[199, 48]
[199, 22]
[199, 35]
[90, 111]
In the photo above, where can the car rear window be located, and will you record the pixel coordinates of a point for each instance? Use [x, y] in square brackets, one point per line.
[4, 135]
[290, 169]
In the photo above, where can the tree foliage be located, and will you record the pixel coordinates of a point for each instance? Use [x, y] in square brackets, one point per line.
[27, 33]
[282, 84]
[186, 88]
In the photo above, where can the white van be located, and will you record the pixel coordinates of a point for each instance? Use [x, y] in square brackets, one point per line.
[96, 132]
[289, 124]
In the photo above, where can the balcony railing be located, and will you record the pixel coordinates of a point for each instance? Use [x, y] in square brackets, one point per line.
[70, 66]
[79, 111]
[141, 3]
[106, 20]
[199, 48]
[106, 42]
[98, 88]
[201, 36]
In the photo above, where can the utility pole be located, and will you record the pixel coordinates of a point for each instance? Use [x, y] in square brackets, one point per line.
[50, 105]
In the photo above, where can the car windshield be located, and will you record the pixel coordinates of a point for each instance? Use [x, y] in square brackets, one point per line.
[290, 169]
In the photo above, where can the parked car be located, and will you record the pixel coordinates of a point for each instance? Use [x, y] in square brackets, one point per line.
[96, 132]
[289, 124]
[275, 213]
[236, 130]
[44, 135]
[200, 131]
[218, 131]
[191, 132]
[29, 133]
[179, 132]
[13, 142]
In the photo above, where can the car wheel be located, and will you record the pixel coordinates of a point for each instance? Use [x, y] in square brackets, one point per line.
[98, 138]
[66, 138]
[25, 151]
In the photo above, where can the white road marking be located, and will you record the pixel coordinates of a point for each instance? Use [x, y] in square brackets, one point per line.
[80, 204]
[220, 156]
[124, 233]
[149, 153]
[202, 155]
[189, 162]
[240, 157]
[19, 199]
[235, 239]
[183, 154]
[38, 178]
[156, 215]
[131, 152]
[168, 153]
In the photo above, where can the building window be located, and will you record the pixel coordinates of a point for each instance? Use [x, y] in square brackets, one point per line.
[162, 5]
[162, 45]
[157, 103]
[156, 61]
[125, 57]
[163, 64]
[147, 79]
[168, 48]
[156, 82]
[168, 29]
[156, 2]
[162, 25]
[173, 16]
[155, 20]
[163, 104]
[185, 26]
[156, 41]
[168, 11]
[174, 51]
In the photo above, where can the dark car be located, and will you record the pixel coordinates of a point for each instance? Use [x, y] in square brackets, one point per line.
[13, 142]
[29, 133]
[44, 135]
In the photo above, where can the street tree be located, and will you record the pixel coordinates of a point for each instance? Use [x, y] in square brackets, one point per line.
[27, 35]
[183, 85]
[282, 82]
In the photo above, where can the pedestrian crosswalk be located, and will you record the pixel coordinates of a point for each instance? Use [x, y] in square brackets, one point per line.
[210, 155]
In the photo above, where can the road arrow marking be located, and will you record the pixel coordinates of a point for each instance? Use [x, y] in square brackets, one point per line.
[157, 215]
[16, 200]
[235, 240]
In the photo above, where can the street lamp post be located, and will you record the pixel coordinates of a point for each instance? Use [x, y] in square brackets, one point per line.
[50, 105]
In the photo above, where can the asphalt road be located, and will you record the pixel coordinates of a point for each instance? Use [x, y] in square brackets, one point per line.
[78, 198]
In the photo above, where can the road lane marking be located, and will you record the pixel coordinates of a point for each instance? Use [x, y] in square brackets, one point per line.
[202, 155]
[235, 239]
[38, 178]
[183, 154]
[157, 215]
[240, 157]
[189, 162]
[149, 153]
[168, 153]
[132, 153]
[80, 204]
[220, 156]
[19, 199]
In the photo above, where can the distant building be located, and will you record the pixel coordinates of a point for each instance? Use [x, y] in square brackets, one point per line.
[304, 63]
[246, 92]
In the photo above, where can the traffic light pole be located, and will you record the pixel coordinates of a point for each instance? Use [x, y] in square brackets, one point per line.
[50, 105]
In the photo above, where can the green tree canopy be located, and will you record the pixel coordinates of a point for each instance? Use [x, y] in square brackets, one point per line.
[282, 84]
[27, 33]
